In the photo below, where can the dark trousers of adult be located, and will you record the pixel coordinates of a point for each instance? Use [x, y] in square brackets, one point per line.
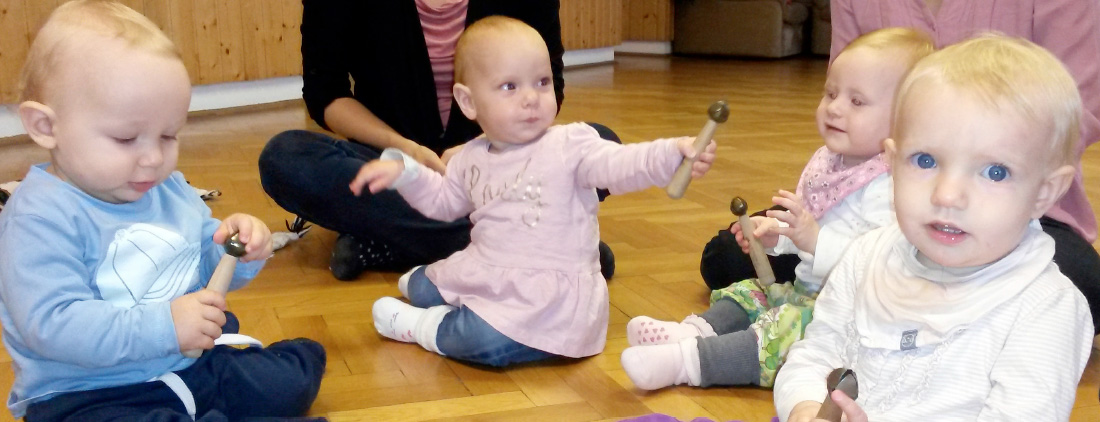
[723, 263]
[228, 384]
[308, 173]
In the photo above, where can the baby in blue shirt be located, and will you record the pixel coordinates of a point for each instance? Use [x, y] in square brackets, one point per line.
[105, 249]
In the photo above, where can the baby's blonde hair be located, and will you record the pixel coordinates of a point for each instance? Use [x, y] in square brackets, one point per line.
[484, 29]
[1005, 74]
[72, 20]
[905, 44]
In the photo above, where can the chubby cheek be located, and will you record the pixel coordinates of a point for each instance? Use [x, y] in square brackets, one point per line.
[819, 117]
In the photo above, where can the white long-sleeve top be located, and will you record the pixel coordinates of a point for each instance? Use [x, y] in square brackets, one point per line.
[1015, 358]
[860, 212]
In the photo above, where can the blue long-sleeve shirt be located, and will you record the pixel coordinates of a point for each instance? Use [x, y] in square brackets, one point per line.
[86, 285]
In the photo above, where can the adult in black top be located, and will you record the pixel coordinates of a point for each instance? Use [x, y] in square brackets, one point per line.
[389, 101]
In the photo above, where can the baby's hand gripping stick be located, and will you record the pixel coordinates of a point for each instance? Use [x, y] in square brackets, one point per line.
[760, 263]
[223, 274]
[840, 379]
[716, 113]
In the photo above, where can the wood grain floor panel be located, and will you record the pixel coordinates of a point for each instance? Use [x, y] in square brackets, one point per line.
[657, 242]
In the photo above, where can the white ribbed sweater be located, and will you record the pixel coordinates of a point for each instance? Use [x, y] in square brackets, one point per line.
[1020, 361]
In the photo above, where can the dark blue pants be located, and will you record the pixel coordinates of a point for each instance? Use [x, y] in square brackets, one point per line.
[308, 173]
[229, 384]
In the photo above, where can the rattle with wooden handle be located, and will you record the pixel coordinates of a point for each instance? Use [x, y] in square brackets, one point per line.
[843, 380]
[716, 113]
[764, 274]
[223, 274]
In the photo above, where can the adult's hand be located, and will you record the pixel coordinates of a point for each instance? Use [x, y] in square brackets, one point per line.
[425, 156]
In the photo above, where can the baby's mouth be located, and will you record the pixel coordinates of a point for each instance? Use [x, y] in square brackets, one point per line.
[947, 229]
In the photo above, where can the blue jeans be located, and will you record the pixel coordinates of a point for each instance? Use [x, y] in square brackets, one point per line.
[465, 336]
[307, 173]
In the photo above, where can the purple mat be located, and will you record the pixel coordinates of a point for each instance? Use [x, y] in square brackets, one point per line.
[658, 417]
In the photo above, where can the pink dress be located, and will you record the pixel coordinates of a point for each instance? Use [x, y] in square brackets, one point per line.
[1070, 29]
[532, 267]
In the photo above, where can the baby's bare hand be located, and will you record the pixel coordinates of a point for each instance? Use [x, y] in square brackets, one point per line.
[801, 228]
[255, 235]
[376, 175]
[198, 318]
[703, 160]
[852, 411]
[763, 231]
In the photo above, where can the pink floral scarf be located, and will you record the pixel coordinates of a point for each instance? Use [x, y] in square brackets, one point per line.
[825, 181]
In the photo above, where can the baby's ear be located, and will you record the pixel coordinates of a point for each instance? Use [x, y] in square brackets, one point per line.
[465, 101]
[38, 119]
[889, 149]
[1054, 185]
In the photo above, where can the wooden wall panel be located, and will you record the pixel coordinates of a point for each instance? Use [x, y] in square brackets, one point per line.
[220, 40]
[591, 23]
[231, 40]
[13, 46]
[235, 40]
[647, 20]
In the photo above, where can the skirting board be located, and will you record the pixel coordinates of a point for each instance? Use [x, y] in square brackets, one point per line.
[645, 47]
[238, 94]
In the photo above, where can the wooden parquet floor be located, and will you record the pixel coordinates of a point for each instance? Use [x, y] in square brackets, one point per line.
[657, 242]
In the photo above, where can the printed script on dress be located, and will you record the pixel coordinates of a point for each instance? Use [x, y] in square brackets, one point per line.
[521, 188]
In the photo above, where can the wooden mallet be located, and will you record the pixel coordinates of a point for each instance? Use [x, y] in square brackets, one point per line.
[223, 274]
[840, 379]
[764, 275]
[717, 113]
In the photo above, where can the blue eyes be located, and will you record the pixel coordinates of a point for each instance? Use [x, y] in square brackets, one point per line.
[995, 172]
[923, 160]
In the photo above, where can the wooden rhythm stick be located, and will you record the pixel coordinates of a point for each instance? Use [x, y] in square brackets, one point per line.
[717, 113]
[843, 380]
[223, 274]
[764, 274]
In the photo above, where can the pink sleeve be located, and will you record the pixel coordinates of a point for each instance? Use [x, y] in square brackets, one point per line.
[623, 168]
[1070, 29]
[437, 196]
[844, 28]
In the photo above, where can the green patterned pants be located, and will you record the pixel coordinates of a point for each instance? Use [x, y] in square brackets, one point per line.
[779, 314]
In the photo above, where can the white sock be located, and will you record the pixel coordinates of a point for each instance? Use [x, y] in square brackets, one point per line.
[395, 319]
[428, 327]
[403, 282]
[662, 365]
[646, 331]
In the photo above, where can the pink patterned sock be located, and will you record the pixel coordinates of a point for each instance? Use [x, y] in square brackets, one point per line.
[646, 331]
[662, 365]
[395, 319]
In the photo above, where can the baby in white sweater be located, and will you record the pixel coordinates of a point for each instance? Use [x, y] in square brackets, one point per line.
[958, 312]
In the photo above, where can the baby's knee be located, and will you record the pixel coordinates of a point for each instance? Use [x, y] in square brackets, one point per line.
[305, 360]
